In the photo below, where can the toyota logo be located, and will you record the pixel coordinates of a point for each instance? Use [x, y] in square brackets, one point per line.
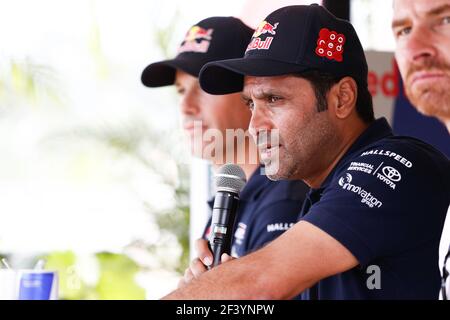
[392, 174]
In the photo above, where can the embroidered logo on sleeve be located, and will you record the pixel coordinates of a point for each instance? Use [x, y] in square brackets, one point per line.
[389, 154]
[387, 174]
[330, 44]
[346, 183]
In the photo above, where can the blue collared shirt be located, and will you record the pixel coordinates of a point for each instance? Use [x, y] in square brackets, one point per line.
[386, 202]
[266, 209]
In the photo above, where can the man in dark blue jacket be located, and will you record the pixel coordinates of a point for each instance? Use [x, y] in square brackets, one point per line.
[267, 208]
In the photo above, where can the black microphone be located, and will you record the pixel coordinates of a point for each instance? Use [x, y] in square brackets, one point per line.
[229, 180]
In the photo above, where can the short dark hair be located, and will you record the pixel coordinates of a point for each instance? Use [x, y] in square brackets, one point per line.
[322, 83]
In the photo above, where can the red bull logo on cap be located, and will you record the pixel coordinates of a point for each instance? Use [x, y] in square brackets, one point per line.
[198, 33]
[197, 39]
[330, 44]
[265, 27]
[257, 43]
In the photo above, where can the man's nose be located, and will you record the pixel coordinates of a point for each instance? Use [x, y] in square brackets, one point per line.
[189, 105]
[259, 122]
[419, 45]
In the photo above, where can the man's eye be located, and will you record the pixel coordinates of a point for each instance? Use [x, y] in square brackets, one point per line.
[250, 104]
[446, 20]
[273, 99]
[403, 32]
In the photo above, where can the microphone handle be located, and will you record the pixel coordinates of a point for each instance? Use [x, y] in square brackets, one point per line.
[218, 248]
[222, 224]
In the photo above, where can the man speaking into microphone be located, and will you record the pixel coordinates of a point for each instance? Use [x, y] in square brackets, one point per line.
[366, 230]
[266, 208]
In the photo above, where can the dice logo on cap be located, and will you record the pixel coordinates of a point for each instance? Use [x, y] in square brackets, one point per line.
[330, 44]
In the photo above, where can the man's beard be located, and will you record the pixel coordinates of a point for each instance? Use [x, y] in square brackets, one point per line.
[430, 100]
[307, 152]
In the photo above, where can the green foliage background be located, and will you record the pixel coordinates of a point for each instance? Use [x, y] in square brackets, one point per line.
[25, 82]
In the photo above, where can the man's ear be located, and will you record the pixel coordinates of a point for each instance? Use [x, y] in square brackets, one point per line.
[342, 97]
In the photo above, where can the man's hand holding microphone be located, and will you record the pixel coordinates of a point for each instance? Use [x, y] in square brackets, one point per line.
[229, 180]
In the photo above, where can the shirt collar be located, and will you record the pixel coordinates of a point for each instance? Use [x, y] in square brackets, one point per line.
[256, 183]
[377, 130]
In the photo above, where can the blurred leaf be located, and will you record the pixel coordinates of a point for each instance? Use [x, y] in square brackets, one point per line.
[24, 82]
[95, 47]
[70, 284]
[164, 36]
[117, 278]
[176, 221]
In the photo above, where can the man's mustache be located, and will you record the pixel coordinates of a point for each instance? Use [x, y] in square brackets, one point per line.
[429, 65]
[267, 139]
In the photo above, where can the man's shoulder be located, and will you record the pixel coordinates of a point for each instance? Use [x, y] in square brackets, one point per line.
[396, 163]
[405, 151]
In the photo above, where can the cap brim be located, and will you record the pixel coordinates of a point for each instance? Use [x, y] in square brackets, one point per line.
[162, 73]
[227, 76]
